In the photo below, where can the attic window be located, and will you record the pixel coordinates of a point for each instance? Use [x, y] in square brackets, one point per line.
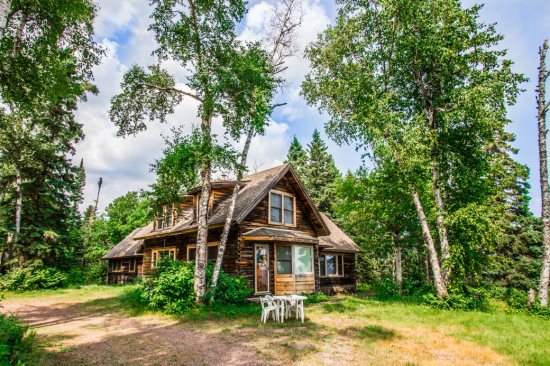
[281, 208]
[167, 218]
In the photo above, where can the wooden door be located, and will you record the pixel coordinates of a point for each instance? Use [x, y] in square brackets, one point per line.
[261, 268]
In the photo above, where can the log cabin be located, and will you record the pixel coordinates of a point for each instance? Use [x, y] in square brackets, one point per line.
[278, 239]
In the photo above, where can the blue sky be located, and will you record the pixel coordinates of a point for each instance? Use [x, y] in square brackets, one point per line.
[121, 27]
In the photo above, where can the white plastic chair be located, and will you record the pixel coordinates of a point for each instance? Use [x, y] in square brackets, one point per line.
[296, 306]
[268, 306]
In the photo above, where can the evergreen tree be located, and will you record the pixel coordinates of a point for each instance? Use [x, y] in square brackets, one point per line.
[297, 157]
[320, 173]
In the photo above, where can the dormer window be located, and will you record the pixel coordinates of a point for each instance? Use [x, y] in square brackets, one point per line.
[167, 218]
[282, 208]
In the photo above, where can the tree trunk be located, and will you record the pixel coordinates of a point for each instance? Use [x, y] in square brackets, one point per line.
[429, 108]
[443, 236]
[231, 210]
[397, 265]
[4, 10]
[542, 107]
[428, 241]
[202, 220]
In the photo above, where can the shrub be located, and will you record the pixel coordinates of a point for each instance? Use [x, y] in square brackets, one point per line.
[469, 299]
[16, 342]
[230, 290]
[32, 278]
[316, 298]
[386, 288]
[171, 287]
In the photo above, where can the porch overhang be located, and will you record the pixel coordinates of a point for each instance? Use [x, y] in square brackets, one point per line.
[280, 235]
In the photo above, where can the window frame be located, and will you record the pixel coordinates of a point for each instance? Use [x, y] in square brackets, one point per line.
[283, 195]
[293, 257]
[155, 253]
[337, 265]
[310, 247]
[194, 246]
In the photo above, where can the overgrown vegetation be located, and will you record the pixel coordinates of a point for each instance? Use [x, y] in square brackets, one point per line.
[171, 290]
[17, 343]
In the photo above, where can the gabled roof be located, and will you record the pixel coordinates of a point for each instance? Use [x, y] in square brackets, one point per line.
[257, 186]
[128, 247]
[337, 241]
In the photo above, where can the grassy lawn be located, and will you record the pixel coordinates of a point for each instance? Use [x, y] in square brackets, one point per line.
[347, 330]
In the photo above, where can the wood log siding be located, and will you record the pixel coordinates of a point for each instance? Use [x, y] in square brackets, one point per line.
[260, 214]
[347, 280]
[180, 242]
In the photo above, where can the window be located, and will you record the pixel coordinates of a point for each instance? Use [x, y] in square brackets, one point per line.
[132, 265]
[281, 208]
[294, 259]
[160, 254]
[167, 217]
[303, 260]
[331, 265]
[284, 259]
[212, 252]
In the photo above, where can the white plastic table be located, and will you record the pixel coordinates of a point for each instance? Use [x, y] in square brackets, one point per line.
[281, 300]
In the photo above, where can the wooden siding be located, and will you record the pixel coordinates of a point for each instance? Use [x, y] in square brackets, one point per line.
[260, 214]
[124, 275]
[180, 242]
[344, 283]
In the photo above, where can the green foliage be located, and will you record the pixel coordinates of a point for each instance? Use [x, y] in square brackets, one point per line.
[47, 54]
[298, 158]
[230, 290]
[171, 288]
[177, 171]
[32, 278]
[17, 343]
[316, 298]
[466, 298]
[125, 214]
[321, 173]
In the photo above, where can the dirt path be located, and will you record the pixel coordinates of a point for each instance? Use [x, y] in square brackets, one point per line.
[89, 335]
[89, 328]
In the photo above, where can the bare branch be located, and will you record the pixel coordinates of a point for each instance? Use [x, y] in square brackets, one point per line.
[284, 23]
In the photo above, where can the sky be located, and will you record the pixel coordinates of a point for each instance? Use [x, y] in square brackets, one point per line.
[124, 163]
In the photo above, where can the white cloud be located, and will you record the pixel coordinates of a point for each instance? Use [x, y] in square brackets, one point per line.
[124, 163]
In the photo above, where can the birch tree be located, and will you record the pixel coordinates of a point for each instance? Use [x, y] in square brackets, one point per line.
[280, 44]
[542, 107]
[222, 76]
[411, 79]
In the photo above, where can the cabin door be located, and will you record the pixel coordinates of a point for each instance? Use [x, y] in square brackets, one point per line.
[261, 268]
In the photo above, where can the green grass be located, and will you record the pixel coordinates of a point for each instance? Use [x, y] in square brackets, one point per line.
[524, 338]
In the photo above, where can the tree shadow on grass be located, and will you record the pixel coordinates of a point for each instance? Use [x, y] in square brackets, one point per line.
[372, 333]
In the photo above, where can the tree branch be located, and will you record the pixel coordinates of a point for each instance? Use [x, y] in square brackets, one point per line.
[172, 89]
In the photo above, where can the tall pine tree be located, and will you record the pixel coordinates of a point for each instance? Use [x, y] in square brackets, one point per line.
[320, 174]
[297, 157]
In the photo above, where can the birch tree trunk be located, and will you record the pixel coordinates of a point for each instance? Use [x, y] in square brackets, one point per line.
[398, 265]
[202, 221]
[4, 10]
[283, 29]
[231, 210]
[440, 286]
[427, 96]
[542, 107]
[442, 229]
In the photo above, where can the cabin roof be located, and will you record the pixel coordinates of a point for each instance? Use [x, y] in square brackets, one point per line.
[255, 188]
[128, 247]
[270, 233]
[337, 241]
